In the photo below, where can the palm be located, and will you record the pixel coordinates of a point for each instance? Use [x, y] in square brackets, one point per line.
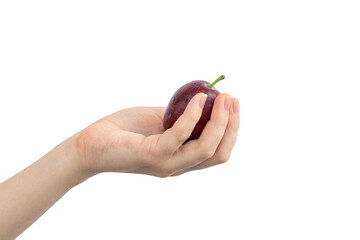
[120, 134]
[142, 120]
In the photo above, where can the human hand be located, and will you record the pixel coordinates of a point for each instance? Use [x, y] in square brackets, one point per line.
[133, 140]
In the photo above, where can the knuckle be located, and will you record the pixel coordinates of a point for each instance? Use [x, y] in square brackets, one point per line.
[223, 159]
[181, 135]
[219, 130]
[192, 119]
[219, 134]
[189, 118]
[207, 153]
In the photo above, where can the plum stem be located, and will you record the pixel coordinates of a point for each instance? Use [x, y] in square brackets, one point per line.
[217, 80]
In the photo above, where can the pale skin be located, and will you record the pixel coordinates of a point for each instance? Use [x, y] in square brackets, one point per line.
[128, 141]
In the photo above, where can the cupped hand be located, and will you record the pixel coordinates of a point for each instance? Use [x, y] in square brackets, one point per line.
[134, 141]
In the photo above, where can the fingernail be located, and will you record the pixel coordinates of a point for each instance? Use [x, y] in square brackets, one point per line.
[236, 106]
[227, 103]
[202, 101]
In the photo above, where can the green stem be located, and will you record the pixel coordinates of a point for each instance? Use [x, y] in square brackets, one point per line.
[217, 80]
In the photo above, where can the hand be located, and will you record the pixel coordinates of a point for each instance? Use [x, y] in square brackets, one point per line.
[133, 140]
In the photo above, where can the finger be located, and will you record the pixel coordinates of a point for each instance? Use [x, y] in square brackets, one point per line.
[196, 151]
[175, 136]
[215, 128]
[226, 145]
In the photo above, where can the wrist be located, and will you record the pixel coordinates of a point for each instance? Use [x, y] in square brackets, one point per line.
[74, 170]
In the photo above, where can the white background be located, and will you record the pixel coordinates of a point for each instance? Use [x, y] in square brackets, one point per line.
[294, 65]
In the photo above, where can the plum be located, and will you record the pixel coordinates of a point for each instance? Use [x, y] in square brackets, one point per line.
[182, 97]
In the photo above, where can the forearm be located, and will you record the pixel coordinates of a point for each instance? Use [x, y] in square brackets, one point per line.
[28, 194]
